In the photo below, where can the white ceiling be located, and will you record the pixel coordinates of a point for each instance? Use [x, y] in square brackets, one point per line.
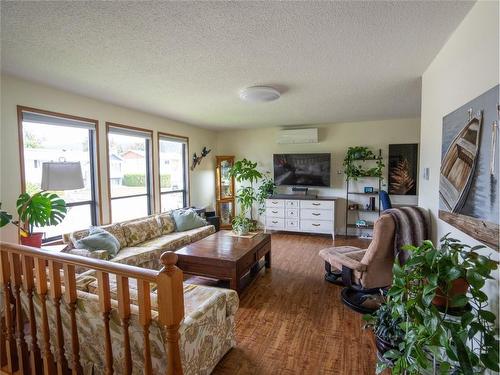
[333, 61]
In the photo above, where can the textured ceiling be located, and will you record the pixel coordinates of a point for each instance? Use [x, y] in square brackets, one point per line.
[333, 61]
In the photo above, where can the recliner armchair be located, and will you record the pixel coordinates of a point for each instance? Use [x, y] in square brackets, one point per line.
[363, 271]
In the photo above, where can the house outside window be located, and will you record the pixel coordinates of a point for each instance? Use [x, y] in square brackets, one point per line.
[130, 172]
[53, 137]
[174, 173]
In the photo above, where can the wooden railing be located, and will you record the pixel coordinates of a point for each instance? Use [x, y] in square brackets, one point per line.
[52, 277]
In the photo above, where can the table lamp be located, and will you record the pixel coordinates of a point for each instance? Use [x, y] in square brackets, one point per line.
[57, 176]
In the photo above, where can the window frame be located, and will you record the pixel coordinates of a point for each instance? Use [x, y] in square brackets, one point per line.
[95, 164]
[150, 177]
[187, 187]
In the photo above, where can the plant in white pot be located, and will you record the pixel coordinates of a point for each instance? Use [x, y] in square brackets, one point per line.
[245, 171]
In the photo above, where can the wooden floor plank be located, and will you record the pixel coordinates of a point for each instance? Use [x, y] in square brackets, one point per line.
[291, 321]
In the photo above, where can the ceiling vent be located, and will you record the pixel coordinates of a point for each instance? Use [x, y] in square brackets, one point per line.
[297, 136]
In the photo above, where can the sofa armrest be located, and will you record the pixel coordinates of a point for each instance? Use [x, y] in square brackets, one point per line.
[215, 221]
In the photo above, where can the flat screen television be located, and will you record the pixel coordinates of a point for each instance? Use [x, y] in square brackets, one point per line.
[302, 169]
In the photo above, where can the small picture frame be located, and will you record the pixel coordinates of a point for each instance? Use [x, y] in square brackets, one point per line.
[368, 189]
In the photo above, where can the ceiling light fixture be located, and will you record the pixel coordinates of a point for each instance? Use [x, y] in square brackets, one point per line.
[255, 94]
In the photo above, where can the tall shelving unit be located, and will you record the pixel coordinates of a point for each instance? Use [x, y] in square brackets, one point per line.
[361, 210]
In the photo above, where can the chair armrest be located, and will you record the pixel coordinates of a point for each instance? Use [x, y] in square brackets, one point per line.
[349, 262]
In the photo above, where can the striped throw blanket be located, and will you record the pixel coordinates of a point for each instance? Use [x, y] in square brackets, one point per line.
[412, 228]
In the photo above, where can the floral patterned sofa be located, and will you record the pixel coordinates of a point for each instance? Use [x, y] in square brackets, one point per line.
[142, 241]
[207, 331]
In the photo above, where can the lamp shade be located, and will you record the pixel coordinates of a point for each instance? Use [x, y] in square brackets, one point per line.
[62, 176]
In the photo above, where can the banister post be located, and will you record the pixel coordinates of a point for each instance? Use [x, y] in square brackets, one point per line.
[171, 309]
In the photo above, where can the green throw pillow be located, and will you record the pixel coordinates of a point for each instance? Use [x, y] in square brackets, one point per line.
[99, 239]
[187, 219]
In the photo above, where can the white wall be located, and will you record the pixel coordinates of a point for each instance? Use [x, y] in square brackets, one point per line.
[16, 91]
[466, 66]
[260, 144]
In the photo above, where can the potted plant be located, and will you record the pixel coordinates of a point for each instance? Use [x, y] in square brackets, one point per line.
[245, 171]
[387, 330]
[264, 191]
[241, 225]
[36, 211]
[352, 168]
[459, 336]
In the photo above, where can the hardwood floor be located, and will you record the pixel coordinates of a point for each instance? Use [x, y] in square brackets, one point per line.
[291, 321]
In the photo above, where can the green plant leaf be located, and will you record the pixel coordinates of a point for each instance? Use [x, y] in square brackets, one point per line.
[459, 300]
[5, 218]
[487, 315]
[428, 294]
[490, 359]
[467, 318]
[475, 279]
[454, 273]
[479, 295]
[462, 354]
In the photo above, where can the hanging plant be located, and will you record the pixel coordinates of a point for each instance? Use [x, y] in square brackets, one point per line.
[353, 163]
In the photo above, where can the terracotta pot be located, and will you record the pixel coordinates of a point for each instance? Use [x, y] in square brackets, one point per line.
[458, 286]
[33, 240]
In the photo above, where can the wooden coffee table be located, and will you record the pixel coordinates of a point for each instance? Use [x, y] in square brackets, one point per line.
[224, 257]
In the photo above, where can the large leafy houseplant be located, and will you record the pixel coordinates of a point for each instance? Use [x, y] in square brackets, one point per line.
[353, 163]
[36, 211]
[458, 337]
[245, 171]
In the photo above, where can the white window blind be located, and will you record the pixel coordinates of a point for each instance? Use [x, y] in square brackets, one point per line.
[38, 118]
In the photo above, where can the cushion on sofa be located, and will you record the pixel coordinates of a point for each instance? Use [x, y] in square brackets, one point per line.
[168, 242]
[187, 219]
[166, 222]
[199, 233]
[115, 229]
[140, 231]
[99, 239]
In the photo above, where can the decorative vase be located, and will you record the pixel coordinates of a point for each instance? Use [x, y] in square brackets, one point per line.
[33, 240]
[458, 286]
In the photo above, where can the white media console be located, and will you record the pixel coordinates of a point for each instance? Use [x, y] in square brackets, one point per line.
[301, 213]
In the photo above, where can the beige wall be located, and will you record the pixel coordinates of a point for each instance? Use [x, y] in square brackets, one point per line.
[260, 145]
[16, 91]
[467, 66]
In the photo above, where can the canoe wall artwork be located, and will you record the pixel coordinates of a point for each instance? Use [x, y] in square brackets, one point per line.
[468, 185]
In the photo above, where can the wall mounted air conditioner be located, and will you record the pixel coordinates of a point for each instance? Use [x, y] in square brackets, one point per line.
[295, 136]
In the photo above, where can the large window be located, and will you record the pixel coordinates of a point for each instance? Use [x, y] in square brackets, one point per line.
[51, 137]
[173, 171]
[130, 172]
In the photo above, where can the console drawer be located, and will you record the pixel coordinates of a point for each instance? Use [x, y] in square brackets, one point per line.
[322, 205]
[292, 213]
[292, 224]
[275, 203]
[275, 223]
[316, 226]
[275, 212]
[316, 214]
[292, 203]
